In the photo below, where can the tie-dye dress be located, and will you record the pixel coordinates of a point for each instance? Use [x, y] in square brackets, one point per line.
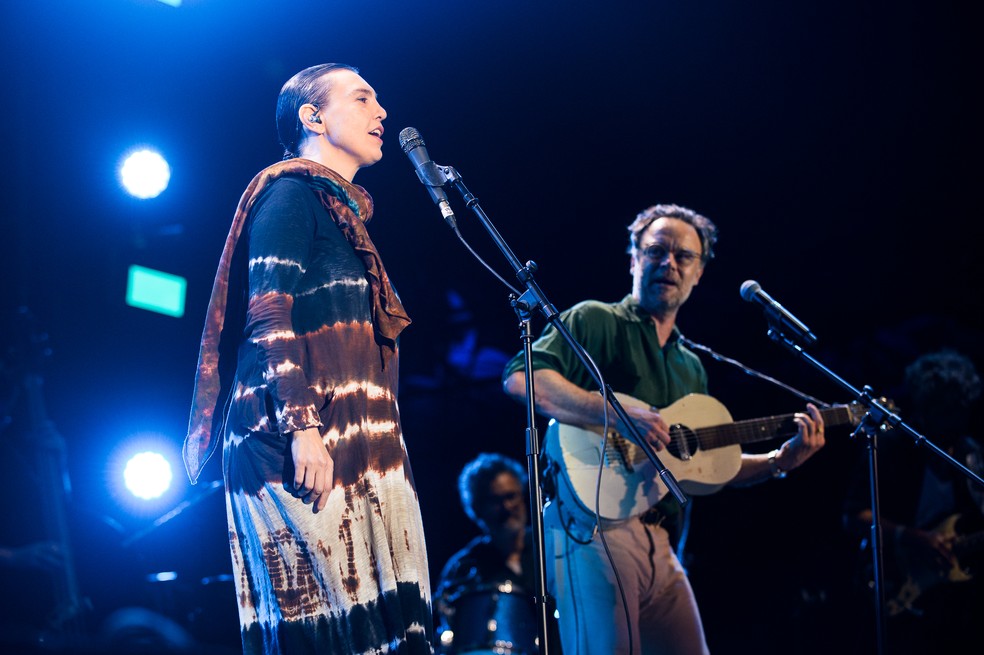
[352, 578]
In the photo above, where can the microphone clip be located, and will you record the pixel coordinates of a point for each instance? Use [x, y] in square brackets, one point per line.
[431, 174]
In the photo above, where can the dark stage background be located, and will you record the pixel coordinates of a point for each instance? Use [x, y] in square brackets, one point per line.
[836, 145]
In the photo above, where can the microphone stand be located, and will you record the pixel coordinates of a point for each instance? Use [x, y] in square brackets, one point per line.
[877, 418]
[525, 305]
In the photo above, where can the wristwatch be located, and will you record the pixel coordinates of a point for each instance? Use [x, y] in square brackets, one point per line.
[774, 467]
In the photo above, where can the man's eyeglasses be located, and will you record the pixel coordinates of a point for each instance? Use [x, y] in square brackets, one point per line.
[658, 253]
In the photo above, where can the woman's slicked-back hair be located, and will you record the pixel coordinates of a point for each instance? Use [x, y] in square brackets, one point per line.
[307, 86]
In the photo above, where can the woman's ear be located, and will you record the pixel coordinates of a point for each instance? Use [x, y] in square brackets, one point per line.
[310, 119]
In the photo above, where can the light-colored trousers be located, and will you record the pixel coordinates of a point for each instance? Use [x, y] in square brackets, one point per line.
[662, 614]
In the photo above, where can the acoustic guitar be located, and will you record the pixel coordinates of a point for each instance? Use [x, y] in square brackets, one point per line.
[704, 454]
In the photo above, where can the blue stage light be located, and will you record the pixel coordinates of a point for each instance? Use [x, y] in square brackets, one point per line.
[148, 475]
[142, 474]
[145, 173]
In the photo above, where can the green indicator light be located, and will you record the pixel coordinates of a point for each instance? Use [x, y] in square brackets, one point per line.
[156, 291]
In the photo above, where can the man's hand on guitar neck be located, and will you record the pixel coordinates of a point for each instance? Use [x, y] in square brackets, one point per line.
[808, 440]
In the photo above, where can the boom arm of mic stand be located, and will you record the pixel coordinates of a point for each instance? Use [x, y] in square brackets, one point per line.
[879, 413]
[534, 298]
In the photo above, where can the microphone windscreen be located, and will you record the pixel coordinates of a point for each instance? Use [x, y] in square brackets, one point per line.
[749, 288]
[410, 138]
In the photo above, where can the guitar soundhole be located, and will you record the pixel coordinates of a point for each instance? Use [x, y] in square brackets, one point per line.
[683, 442]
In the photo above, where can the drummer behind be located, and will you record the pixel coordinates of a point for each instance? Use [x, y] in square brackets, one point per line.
[485, 596]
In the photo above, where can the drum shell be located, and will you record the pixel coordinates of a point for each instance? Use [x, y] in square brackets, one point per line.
[491, 620]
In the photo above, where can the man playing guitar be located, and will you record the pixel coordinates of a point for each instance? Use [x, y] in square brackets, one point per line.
[636, 345]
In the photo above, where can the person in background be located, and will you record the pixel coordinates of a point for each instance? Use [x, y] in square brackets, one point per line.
[492, 577]
[932, 514]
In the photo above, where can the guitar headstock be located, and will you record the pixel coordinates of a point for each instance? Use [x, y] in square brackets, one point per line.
[856, 411]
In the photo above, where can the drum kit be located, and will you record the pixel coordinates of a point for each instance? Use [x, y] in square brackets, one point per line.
[494, 619]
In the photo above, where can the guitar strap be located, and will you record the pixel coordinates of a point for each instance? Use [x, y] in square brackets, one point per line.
[549, 471]
[578, 524]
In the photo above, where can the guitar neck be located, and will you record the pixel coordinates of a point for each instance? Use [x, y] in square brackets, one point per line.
[969, 544]
[762, 429]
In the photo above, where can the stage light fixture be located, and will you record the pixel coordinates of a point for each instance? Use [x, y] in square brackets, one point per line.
[145, 173]
[148, 475]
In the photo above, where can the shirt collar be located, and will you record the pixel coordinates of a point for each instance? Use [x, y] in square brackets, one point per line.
[629, 309]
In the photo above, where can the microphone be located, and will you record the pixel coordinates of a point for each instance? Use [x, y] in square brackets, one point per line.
[776, 314]
[428, 172]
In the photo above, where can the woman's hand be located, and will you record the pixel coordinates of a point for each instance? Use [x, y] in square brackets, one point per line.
[314, 468]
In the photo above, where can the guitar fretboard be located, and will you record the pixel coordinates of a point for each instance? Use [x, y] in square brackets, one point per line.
[622, 452]
[760, 429]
